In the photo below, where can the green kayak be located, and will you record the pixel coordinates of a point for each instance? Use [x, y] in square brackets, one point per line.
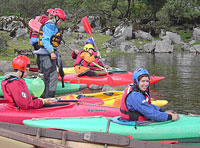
[185, 127]
[69, 87]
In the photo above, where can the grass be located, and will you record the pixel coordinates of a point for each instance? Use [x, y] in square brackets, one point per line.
[23, 43]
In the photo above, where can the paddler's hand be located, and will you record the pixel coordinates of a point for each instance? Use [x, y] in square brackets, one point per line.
[76, 51]
[98, 54]
[107, 66]
[48, 100]
[53, 56]
[175, 117]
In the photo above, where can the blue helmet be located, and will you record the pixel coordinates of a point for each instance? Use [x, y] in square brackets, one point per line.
[90, 41]
[137, 73]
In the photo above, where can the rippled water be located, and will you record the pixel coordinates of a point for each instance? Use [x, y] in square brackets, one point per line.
[182, 75]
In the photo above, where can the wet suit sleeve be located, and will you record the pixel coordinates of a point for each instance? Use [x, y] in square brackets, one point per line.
[136, 102]
[22, 96]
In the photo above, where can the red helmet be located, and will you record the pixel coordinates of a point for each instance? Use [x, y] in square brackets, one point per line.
[21, 63]
[51, 11]
[60, 13]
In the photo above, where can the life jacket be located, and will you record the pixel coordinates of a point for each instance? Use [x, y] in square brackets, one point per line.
[55, 39]
[127, 114]
[8, 97]
[94, 67]
[79, 61]
[43, 19]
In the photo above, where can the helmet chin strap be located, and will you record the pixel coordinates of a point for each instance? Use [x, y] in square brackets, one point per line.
[22, 74]
[56, 20]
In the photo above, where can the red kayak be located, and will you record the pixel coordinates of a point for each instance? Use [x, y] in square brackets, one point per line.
[115, 79]
[13, 115]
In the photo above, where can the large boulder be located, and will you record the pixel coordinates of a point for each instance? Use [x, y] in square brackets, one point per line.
[14, 25]
[196, 34]
[164, 46]
[139, 34]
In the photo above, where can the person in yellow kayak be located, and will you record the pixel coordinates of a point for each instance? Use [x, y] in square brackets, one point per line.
[15, 89]
[83, 60]
[136, 104]
[97, 64]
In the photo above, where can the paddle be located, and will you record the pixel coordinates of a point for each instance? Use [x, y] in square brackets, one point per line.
[60, 67]
[88, 29]
[88, 100]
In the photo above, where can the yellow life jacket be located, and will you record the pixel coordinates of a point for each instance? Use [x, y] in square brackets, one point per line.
[55, 39]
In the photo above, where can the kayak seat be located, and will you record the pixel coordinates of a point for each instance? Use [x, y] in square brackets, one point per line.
[118, 120]
[124, 122]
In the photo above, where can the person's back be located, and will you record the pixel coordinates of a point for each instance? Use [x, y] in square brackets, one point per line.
[34, 34]
[15, 89]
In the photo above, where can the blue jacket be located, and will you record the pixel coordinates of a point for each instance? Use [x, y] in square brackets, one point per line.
[33, 40]
[136, 102]
[49, 29]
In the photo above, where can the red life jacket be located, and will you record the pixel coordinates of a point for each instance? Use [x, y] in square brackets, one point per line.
[43, 19]
[6, 94]
[79, 61]
[130, 115]
[94, 67]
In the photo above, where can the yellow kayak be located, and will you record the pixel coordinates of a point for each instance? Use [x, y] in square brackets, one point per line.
[110, 98]
[71, 70]
[67, 71]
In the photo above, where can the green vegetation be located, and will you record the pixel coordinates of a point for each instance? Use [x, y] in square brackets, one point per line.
[111, 12]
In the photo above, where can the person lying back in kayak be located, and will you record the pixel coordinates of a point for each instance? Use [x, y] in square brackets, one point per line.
[83, 61]
[97, 60]
[136, 104]
[15, 89]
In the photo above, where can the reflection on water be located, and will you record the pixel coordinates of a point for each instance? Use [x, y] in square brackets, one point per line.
[182, 75]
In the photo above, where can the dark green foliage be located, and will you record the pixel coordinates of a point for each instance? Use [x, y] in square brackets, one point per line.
[111, 12]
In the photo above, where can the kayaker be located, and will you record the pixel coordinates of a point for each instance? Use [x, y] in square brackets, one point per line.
[136, 104]
[49, 39]
[97, 60]
[34, 34]
[15, 89]
[83, 61]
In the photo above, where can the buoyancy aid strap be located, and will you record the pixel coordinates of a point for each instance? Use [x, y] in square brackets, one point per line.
[133, 115]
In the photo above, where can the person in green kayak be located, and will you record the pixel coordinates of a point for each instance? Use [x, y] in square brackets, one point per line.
[15, 89]
[136, 104]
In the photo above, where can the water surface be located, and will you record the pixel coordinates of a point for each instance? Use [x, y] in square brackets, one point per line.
[182, 75]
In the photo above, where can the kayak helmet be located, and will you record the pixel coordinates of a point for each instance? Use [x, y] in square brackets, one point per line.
[87, 47]
[51, 11]
[90, 41]
[137, 73]
[60, 13]
[21, 63]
